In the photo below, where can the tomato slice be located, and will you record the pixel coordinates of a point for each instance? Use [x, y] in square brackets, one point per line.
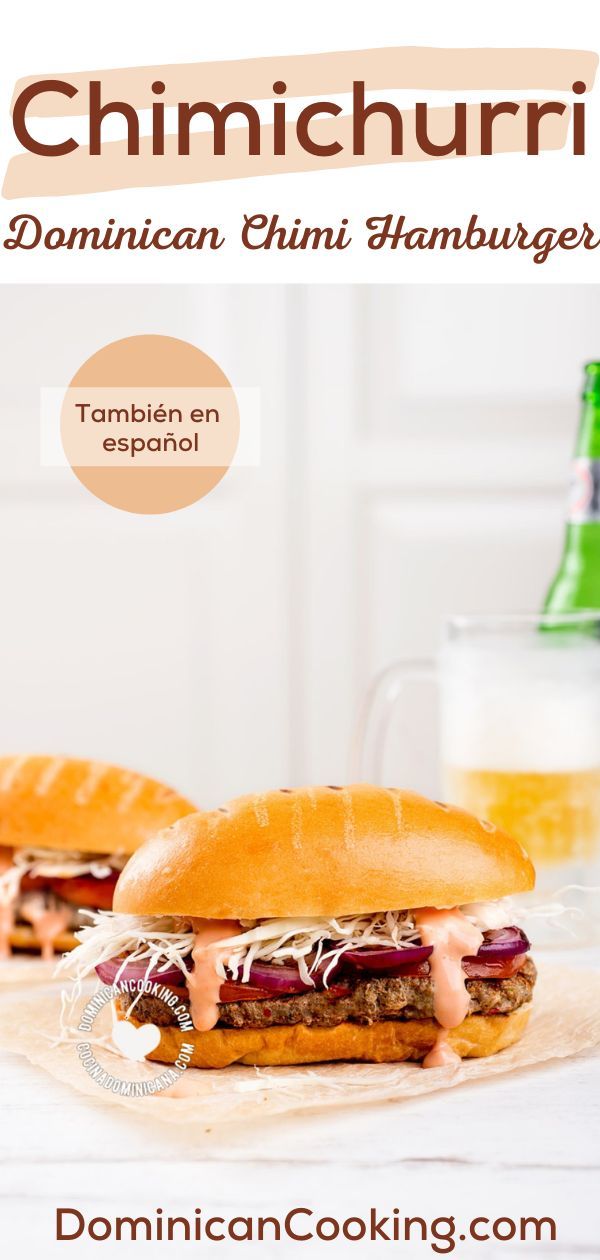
[475, 969]
[34, 883]
[233, 992]
[84, 890]
[407, 969]
[501, 970]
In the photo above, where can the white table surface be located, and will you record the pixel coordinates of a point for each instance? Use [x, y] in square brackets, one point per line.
[524, 1144]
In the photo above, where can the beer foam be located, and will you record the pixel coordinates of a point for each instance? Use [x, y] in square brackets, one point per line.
[533, 709]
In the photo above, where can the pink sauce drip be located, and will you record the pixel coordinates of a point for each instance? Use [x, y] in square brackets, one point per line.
[452, 938]
[204, 982]
[7, 923]
[7, 905]
[441, 1053]
[47, 924]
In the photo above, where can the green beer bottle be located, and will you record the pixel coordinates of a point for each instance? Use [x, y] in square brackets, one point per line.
[577, 583]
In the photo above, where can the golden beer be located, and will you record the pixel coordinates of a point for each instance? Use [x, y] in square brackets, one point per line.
[554, 814]
[519, 734]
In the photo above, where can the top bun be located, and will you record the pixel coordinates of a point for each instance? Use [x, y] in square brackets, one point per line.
[67, 804]
[322, 851]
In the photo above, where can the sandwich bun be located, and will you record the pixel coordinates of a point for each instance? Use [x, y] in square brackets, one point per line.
[391, 1041]
[25, 939]
[323, 851]
[73, 805]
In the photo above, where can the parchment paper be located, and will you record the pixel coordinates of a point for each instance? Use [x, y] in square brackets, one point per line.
[25, 969]
[565, 1020]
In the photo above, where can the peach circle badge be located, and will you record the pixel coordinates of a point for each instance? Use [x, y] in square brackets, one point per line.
[150, 424]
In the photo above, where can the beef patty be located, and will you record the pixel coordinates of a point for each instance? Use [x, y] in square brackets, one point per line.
[360, 1001]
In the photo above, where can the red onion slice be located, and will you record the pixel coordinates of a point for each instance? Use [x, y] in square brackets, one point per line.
[501, 944]
[498, 946]
[273, 977]
[286, 978]
[379, 959]
[134, 972]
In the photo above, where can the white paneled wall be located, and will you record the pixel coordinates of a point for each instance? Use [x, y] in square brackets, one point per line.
[157, 642]
[440, 423]
[414, 462]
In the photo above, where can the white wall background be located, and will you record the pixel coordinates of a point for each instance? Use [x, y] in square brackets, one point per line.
[415, 460]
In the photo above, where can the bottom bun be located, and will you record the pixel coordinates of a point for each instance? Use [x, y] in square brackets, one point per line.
[391, 1041]
[24, 937]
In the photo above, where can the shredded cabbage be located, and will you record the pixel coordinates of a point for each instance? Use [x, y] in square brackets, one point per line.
[311, 942]
[53, 864]
[308, 942]
[490, 915]
[10, 884]
[164, 942]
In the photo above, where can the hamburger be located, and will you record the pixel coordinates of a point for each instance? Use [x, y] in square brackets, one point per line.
[322, 924]
[67, 827]
[327, 923]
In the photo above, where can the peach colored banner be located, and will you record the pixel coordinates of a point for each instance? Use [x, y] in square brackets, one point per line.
[311, 74]
[426, 68]
[31, 176]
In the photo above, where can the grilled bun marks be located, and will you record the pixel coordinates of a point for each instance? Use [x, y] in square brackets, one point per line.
[65, 803]
[322, 851]
[391, 1041]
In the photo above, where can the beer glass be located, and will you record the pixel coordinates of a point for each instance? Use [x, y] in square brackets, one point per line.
[519, 732]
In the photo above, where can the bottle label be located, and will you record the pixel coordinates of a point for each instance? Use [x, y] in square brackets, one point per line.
[584, 495]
